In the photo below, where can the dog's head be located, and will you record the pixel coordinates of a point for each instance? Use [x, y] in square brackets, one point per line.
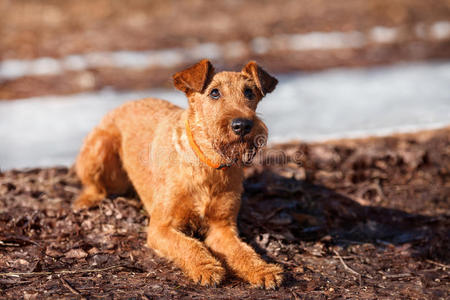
[223, 105]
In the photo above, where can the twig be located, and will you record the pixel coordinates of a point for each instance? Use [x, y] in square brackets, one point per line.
[70, 288]
[6, 244]
[438, 264]
[348, 268]
[296, 297]
[20, 238]
[17, 274]
[273, 213]
[397, 275]
[347, 257]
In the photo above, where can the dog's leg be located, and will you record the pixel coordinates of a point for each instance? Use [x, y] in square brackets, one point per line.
[99, 168]
[90, 196]
[187, 253]
[223, 240]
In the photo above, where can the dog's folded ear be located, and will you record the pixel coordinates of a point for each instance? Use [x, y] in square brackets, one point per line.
[264, 81]
[195, 78]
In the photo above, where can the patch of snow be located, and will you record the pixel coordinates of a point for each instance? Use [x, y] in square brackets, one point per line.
[331, 104]
[326, 40]
[260, 45]
[10, 69]
[440, 30]
[384, 35]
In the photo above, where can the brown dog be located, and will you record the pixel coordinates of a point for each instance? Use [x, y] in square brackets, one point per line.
[186, 166]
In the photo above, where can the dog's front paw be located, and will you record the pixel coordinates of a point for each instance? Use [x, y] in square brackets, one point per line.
[268, 276]
[208, 274]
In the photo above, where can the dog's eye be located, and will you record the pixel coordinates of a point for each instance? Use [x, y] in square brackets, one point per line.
[215, 94]
[248, 93]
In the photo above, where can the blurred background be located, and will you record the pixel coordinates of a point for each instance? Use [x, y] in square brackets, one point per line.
[347, 68]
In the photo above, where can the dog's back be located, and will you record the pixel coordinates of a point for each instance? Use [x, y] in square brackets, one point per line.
[143, 116]
[130, 130]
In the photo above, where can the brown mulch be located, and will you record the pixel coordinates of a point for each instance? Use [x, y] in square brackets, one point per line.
[49, 28]
[30, 29]
[358, 219]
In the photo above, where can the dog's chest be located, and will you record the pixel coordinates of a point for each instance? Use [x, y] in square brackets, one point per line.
[196, 226]
[204, 211]
[205, 201]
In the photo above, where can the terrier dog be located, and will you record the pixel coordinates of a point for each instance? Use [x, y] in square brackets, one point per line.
[186, 166]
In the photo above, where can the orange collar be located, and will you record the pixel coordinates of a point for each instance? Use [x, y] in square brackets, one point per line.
[199, 152]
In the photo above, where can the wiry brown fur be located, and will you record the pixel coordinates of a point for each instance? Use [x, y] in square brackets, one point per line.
[144, 144]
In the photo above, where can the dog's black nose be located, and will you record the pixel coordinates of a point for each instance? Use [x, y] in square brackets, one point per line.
[241, 126]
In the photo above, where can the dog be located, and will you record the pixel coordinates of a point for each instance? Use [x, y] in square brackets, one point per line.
[186, 165]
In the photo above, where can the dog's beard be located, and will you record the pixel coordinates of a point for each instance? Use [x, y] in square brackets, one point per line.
[240, 151]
